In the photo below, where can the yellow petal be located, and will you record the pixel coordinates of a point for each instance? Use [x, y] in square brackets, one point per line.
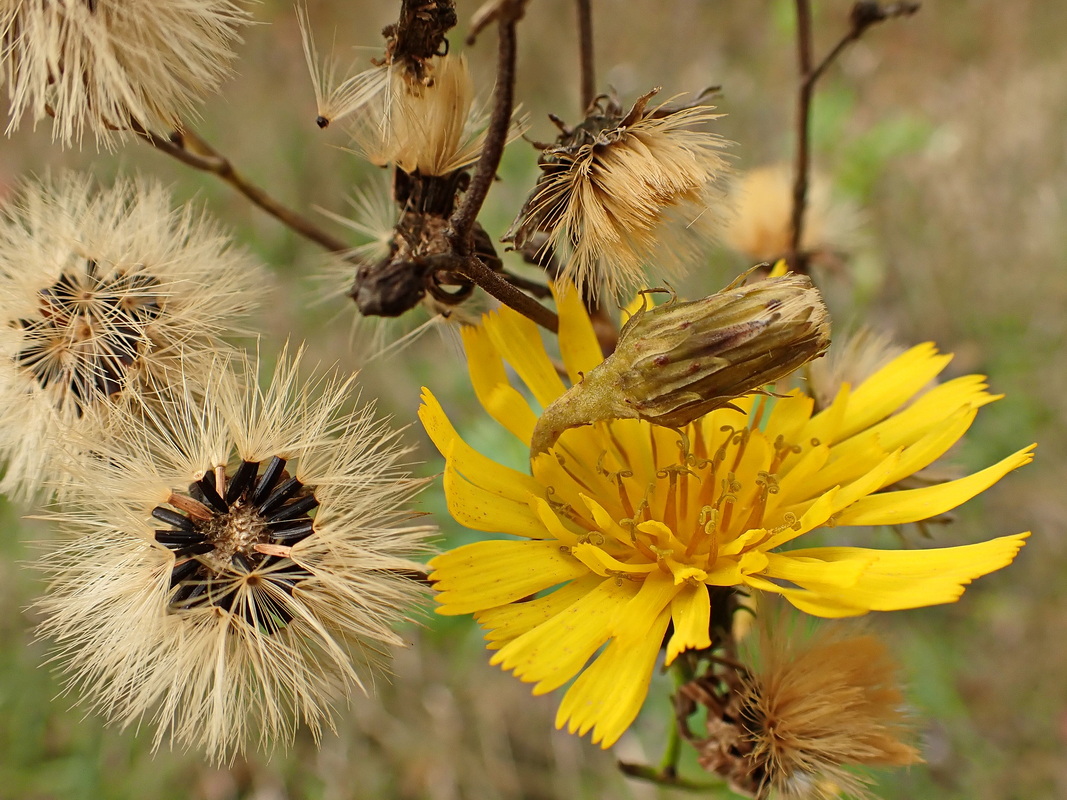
[800, 570]
[482, 575]
[603, 564]
[504, 623]
[892, 580]
[789, 416]
[482, 510]
[931, 446]
[691, 613]
[610, 692]
[490, 381]
[518, 340]
[553, 524]
[552, 653]
[472, 465]
[896, 508]
[892, 386]
[578, 344]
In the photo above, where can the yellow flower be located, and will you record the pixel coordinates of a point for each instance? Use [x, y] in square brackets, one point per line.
[624, 528]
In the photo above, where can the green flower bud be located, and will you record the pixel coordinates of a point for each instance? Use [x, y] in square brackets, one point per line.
[676, 362]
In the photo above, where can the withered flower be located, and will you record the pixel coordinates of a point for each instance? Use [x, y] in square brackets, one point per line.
[108, 66]
[815, 706]
[761, 225]
[624, 190]
[676, 362]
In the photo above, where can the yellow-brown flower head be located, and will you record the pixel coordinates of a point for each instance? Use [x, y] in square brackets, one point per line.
[624, 190]
[760, 228]
[676, 362]
[815, 706]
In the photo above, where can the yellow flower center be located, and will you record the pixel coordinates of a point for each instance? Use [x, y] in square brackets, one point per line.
[693, 503]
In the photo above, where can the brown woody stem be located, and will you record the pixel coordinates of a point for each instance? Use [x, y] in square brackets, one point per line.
[863, 15]
[193, 151]
[585, 53]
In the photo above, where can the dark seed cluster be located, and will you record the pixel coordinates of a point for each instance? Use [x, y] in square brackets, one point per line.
[89, 332]
[219, 538]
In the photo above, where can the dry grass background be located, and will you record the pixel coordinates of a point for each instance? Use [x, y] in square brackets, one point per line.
[947, 129]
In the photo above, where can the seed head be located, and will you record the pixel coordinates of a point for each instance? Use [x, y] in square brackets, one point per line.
[111, 66]
[103, 294]
[235, 562]
[622, 191]
[816, 705]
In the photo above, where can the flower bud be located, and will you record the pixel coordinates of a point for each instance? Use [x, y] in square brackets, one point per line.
[676, 362]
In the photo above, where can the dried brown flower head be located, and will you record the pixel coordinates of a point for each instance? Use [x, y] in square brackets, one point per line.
[678, 361]
[814, 707]
[624, 190]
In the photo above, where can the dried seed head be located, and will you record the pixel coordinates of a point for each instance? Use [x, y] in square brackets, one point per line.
[111, 67]
[236, 563]
[760, 228]
[103, 294]
[625, 190]
[815, 706]
[676, 362]
[431, 128]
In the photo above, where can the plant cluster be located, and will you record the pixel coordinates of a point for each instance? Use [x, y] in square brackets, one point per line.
[239, 540]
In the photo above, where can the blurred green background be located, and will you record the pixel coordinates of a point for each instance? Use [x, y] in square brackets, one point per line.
[947, 130]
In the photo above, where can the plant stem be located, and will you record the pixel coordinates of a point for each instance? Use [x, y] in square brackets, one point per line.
[585, 53]
[207, 159]
[863, 15]
[496, 137]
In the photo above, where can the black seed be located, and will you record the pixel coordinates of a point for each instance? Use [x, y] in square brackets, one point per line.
[183, 572]
[299, 508]
[207, 488]
[196, 549]
[268, 479]
[177, 539]
[246, 473]
[292, 533]
[279, 496]
[188, 593]
[173, 518]
[244, 562]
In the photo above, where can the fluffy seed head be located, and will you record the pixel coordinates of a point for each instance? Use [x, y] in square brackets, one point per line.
[109, 66]
[625, 190]
[234, 562]
[102, 294]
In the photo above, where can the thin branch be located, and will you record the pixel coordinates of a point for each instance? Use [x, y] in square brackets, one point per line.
[462, 222]
[472, 268]
[646, 773]
[193, 151]
[585, 53]
[864, 14]
[803, 155]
